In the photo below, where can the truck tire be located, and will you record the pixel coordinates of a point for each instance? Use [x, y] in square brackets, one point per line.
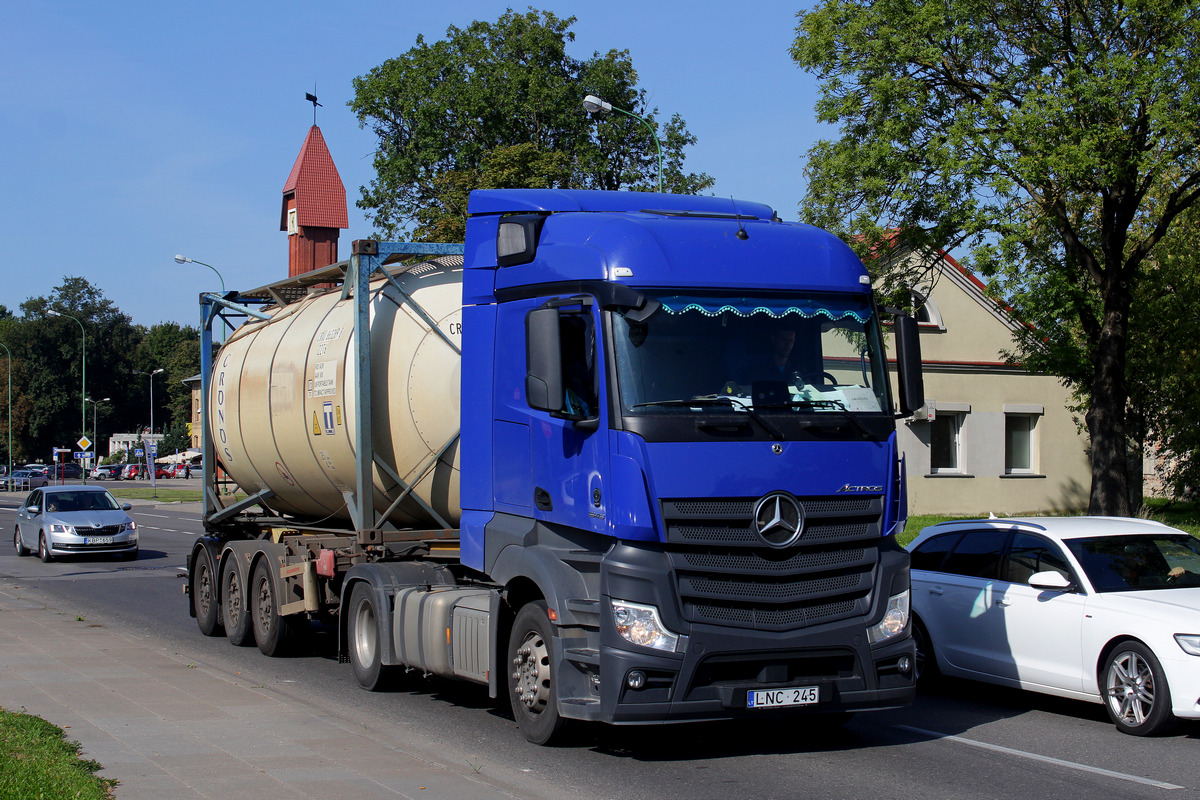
[272, 632]
[365, 642]
[532, 690]
[233, 608]
[204, 594]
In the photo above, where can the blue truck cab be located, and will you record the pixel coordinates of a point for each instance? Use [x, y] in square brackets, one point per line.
[679, 460]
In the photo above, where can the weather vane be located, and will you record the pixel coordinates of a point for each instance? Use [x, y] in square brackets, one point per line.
[312, 98]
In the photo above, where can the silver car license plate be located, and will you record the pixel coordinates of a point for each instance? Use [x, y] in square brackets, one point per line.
[777, 698]
[98, 540]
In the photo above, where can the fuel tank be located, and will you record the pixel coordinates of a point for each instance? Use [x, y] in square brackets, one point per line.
[282, 397]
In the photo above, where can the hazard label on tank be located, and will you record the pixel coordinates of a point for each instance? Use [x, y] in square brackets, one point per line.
[327, 409]
[316, 424]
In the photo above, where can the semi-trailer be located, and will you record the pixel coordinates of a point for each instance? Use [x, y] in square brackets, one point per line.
[622, 457]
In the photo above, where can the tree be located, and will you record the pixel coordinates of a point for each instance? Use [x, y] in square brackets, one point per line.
[1056, 141]
[499, 105]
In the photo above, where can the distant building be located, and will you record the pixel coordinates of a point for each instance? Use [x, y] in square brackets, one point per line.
[993, 437]
[314, 207]
[130, 442]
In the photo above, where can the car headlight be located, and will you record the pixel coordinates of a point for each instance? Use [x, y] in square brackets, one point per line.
[1189, 643]
[894, 621]
[62, 529]
[640, 625]
[130, 526]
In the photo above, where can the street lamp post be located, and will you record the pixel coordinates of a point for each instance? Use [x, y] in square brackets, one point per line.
[6, 350]
[150, 443]
[185, 260]
[594, 105]
[83, 374]
[96, 430]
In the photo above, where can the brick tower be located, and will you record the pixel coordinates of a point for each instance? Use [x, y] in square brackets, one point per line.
[314, 207]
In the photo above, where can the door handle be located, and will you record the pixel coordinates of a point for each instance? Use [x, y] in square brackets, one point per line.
[1000, 601]
[936, 591]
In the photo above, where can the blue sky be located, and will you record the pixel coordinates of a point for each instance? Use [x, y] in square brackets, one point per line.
[133, 131]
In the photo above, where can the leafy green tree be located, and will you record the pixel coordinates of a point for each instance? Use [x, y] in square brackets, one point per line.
[176, 350]
[499, 105]
[1057, 141]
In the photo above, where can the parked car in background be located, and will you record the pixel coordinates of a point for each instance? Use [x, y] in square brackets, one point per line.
[132, 472]
[1100, 609]
[65, 470]
[74, 520]
[23, 480]
[107, 472]
[181, 470]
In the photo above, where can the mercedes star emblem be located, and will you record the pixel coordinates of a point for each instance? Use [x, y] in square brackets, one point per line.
[778, 519]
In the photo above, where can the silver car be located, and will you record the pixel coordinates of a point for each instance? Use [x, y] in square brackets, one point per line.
[22, 480]
[74, 520]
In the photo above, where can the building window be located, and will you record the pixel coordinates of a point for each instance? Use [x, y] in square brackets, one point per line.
[1019, 450]
[945, 443]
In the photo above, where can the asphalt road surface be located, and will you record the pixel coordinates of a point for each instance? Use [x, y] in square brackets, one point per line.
[959, 740]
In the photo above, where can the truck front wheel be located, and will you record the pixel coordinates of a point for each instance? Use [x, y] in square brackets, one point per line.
[365, 643]
[531, 684]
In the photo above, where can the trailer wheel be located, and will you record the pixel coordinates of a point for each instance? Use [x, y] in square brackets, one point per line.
[365, 642]
[531, 685]
[233, 602]
[271, 631]
[204, 594]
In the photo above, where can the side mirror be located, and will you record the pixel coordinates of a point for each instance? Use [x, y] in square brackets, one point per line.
[908, 362]
[543, 360]
[1051, 580]
[33, 509]
[126, 506]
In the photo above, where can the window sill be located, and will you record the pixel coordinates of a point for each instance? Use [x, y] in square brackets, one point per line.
[1022, 476]
[949, 475]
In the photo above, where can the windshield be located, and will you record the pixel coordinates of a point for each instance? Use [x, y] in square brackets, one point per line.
[1132, 563]
[788, 354]
[60, 502]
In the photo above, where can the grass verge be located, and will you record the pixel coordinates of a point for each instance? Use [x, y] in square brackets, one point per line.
[37, 761]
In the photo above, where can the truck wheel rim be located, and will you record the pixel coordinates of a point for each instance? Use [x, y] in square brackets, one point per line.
[234, 600]
[205, 588]
[1131, 688]
[532, 672]
[266, 608]
[364, 634]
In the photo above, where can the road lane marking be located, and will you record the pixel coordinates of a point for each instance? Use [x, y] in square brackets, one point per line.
[1108, 773]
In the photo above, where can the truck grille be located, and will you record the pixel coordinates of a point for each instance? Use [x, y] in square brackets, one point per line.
[726, 575]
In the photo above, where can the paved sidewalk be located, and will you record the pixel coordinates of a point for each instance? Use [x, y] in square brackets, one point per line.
[167, 727]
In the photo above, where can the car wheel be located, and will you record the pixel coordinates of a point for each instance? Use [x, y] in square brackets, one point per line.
[44, 549]
[233, 608]
[365, 642]
[532, 689]
[272, 632]
[1136, 694]
[926, 662]
[204, 594]
[22, 550]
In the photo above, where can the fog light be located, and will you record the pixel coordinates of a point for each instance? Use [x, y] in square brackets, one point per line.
[904, 665]
[635, 679]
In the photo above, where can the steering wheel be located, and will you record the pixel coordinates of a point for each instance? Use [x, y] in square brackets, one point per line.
[821, 378]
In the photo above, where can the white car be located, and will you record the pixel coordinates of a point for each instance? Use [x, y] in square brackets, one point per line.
[1101, 609]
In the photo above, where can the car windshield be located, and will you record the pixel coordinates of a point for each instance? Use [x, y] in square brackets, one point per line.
[1134, 563]
[61, 502]
[786, 354]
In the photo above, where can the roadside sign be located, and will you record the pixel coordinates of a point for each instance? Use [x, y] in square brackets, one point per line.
[138, 452]
[84, 443]
[64, 449]
[85, 455]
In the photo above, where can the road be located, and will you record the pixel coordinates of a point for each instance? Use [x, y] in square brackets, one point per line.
[959, 740]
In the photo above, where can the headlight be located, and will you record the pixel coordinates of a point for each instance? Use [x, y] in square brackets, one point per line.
[894, 621]
[640, 625]
[1189, 643]
[131, 526]
[61, 529]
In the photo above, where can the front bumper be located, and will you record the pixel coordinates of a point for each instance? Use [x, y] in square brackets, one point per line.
[66, 544]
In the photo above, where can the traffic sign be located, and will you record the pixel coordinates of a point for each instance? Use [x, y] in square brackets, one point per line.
[79, 455]
[64, 449]
[84, 443]
[138, 452]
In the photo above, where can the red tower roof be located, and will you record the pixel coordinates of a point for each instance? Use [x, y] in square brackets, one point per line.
[317, 187]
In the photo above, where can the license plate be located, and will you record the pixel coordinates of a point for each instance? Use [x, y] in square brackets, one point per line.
[98, 540]
[777, 698]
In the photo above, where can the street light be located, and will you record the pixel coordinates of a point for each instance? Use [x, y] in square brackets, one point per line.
[9, 473]
[96, 430]
[50, 312]
[185, 260]
[150, 443]
[594, 105]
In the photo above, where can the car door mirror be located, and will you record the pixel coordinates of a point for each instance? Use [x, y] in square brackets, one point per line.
[126, 506]
[1050, 579]
[33, 509]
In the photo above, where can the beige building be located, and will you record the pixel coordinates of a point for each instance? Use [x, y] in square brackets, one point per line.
[992, 437]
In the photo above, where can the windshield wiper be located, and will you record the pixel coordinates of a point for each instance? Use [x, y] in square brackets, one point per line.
[836, 405]
[717, 400]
